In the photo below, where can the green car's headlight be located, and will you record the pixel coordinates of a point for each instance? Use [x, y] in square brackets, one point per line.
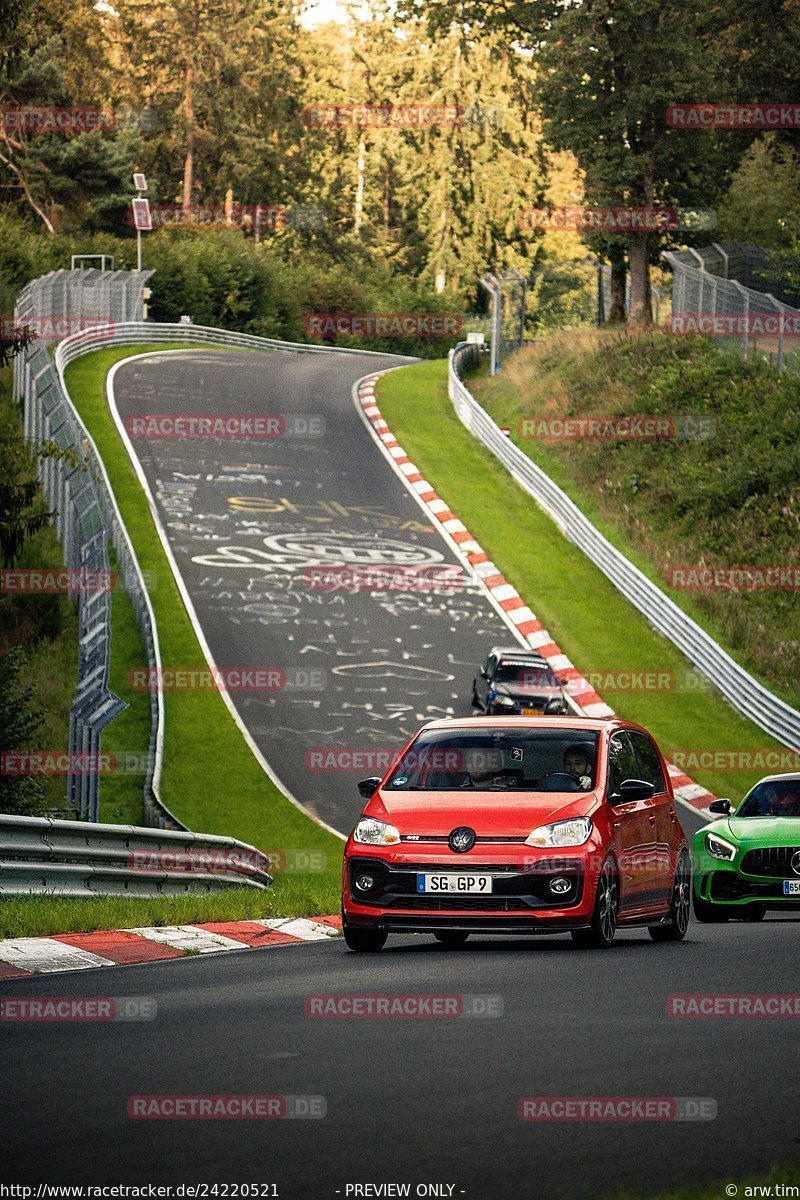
[717, 847]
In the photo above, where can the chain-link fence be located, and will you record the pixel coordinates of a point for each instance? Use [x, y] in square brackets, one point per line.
[716, 303]
[77, 489]
[751, 265]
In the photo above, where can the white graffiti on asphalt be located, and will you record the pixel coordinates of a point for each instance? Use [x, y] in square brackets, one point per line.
[288, 551]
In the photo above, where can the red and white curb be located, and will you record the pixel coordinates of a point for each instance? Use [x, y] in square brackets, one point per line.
[122, 947]
[503, 595]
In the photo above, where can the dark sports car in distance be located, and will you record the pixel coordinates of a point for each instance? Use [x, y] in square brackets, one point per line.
[516, 682]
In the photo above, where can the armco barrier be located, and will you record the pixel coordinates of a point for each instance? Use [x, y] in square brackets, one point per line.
[82, 496]
[744, 693]
[136, 333]
[77, 858]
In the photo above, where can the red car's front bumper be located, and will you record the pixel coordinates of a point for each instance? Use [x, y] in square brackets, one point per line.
[521, 900]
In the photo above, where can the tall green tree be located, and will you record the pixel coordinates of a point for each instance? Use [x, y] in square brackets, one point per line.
[606, 71]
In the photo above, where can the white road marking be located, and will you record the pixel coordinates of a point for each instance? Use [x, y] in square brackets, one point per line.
[46, 954]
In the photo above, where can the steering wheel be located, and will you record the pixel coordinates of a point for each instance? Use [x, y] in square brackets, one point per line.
[559, 781]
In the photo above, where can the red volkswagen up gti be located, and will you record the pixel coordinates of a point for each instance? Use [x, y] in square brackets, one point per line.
[532, 825]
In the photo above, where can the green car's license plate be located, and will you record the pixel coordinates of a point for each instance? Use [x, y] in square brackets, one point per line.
[791, 887]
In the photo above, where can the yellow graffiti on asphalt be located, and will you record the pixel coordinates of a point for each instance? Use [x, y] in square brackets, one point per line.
[326, 511]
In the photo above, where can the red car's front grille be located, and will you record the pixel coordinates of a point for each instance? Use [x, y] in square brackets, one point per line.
[460, 903]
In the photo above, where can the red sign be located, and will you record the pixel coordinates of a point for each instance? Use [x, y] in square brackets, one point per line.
[141, 215]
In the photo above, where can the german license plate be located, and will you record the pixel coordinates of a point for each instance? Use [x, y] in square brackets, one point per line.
[470, 885]
[791, 887]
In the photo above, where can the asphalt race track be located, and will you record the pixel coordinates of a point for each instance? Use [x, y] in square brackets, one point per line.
[409, 1101]
[247, 520]
[415, 1100]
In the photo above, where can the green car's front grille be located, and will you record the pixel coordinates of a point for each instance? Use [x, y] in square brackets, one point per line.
[771, 861]
[725, 885]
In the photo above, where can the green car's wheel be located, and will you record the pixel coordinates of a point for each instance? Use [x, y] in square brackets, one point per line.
[675, 928]
[708, 914]
[452, 938]
[600, 933]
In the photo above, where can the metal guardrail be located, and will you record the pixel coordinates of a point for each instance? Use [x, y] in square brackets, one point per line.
[76, 858]
[744, 693]
[133, 333]
[106, 307]
[86, 513]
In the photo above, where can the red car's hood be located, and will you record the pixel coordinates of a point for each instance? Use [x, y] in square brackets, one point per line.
[509, 813]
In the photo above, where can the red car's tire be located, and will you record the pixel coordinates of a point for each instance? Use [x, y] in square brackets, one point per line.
[675, 928]
[600, 933]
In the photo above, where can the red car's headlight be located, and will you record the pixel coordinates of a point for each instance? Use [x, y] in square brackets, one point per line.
[372, 832]
[562, 833]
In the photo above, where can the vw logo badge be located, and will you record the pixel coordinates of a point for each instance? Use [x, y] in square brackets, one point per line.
[462, 839]
[795, 861]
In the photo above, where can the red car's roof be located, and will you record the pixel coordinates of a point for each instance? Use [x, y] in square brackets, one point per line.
[576, 723]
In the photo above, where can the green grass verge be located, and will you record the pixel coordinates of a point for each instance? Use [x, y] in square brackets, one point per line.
[731, 498]
[213, 783]
[594, 624]
[39, 916]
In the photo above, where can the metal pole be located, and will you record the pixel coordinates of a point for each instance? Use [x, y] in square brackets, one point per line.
[779, 307]
[491, 284]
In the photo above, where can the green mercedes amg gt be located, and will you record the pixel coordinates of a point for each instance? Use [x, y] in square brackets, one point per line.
[749, 861]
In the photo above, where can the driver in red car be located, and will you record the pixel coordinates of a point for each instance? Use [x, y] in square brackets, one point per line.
[578, 764]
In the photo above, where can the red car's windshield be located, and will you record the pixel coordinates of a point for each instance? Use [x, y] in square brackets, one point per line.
[544, 760]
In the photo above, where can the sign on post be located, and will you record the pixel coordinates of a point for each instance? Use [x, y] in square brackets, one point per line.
[142, 219]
